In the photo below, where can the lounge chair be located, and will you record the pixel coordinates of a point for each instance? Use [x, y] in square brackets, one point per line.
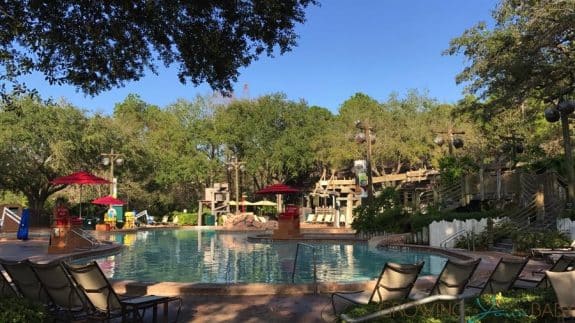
[319, 218]
[66, 299]
[562, 264]
[106, 303]
[394, 283]
[328, 218]
[175, 220]
[563, 284]
[6, 288]
[310, 218]
[165, 220]
[501, 279]
[448, 286]
[25, 281]
[451, 281]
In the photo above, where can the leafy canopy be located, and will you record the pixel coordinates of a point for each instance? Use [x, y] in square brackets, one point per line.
[529, 53]
[95, 46]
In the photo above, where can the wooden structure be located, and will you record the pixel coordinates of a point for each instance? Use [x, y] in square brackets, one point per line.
[345, 194]
[217, 199]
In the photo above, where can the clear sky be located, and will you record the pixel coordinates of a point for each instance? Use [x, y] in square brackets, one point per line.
[372, 46]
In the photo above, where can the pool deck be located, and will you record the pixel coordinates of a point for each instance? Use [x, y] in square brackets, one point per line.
[238, 302]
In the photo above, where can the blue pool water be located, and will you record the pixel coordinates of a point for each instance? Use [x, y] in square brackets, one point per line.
[195, 255]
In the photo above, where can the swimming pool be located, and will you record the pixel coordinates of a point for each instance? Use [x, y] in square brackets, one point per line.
[209, 256]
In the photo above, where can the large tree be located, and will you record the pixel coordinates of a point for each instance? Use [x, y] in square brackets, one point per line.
[95, 46]
[528, 53]
[40, 142]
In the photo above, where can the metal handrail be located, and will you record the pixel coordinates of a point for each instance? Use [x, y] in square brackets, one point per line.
[313, 248]
[86, 236]
[443, 243]
[141, 214]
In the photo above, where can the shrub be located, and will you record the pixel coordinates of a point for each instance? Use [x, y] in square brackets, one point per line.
[512, 306]
[20, 310]
[186, 218]
[382, 213]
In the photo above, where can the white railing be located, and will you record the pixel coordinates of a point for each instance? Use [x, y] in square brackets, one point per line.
[10, 214]
[452, 237]
[141, 214]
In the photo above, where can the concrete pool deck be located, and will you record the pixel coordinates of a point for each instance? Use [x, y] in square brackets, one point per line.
[238, 302]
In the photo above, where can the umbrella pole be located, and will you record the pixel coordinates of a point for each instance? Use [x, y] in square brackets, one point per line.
[80, 202]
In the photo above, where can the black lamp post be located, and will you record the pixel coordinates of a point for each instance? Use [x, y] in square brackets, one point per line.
[454, 142]
[112, 159]
[561, 112]
[366, 136]
[236, 166]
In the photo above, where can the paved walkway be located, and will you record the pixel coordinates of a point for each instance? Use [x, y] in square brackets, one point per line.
[244, 308]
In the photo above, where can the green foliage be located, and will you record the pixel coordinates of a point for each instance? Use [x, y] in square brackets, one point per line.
[383, 213]
[527, 53]
[512, 306]
[186, 218]
[524, 240]
[120, 42]
[20, 310]
[454, 168]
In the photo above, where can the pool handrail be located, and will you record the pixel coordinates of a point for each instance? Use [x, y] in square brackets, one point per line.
[313, 248]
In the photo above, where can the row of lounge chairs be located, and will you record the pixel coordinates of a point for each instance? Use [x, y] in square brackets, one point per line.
[319, 218]
[76, 292]
[453, 283]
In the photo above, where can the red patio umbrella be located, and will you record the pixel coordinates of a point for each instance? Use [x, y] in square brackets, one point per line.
[80, 178]
[108, 200]
[278, 189]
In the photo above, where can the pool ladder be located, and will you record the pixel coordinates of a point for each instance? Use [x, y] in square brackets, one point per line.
[313, 249]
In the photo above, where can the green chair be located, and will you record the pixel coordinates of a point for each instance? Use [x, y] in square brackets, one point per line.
[104, 301]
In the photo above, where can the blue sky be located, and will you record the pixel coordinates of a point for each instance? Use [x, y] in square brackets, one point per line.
[372, 46]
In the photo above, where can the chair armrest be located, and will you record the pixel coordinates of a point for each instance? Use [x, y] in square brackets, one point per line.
[348, 292]
[528, 280]
[474, 286]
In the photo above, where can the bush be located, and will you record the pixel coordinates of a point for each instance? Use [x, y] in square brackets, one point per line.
[383, 213]
[512, 306]
[19, 310]
[186, 218]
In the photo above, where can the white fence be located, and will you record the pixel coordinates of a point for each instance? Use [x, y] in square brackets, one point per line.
[567, 226]
[446, 231]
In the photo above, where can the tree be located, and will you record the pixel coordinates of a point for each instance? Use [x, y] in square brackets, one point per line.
[529, 53]
[97, 46]
[38, 143]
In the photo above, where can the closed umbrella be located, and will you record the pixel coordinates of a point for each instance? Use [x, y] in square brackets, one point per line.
[24, 225]
[80, 178]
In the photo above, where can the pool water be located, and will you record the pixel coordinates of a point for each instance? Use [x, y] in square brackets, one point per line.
[199, 255]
